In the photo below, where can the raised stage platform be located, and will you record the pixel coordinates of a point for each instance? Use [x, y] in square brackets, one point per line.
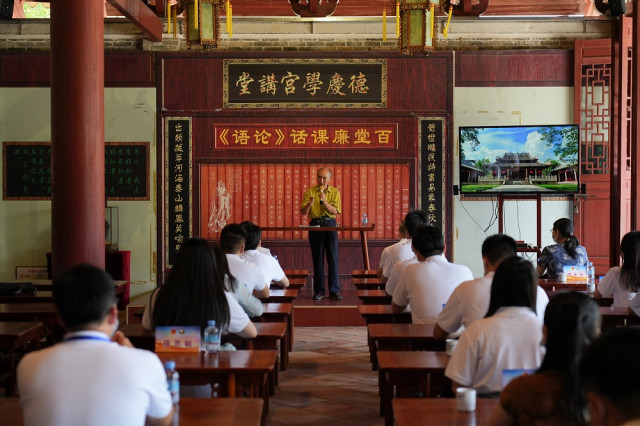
[319, 313]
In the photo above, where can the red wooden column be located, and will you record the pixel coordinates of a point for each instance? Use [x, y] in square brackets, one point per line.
[77, 134]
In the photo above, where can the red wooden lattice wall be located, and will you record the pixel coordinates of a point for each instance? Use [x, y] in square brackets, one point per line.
[270, 195]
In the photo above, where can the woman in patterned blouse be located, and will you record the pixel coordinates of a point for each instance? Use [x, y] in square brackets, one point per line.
[566, 251]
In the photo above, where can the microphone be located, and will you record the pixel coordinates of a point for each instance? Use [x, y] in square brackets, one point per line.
[321, 201]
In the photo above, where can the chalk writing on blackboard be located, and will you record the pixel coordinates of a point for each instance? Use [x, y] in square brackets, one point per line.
[27, 170]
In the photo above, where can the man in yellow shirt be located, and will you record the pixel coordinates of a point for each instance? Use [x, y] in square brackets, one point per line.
[322, 203]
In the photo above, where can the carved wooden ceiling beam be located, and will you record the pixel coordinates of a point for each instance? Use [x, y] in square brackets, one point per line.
[314, 8]
[466, 7]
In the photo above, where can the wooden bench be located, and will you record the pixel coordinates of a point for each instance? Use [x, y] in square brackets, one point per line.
[374, 297]
[403, 374]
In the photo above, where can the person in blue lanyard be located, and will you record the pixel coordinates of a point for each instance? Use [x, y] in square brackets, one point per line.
[94, 376]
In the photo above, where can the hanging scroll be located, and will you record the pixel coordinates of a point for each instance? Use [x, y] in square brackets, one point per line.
[432, 169]
[177, 186]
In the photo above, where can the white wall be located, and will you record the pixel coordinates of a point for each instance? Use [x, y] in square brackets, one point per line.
[25, 226]
[484, 106]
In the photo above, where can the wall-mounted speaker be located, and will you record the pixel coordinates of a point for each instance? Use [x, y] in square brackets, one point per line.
[617, 7]
[6, 9]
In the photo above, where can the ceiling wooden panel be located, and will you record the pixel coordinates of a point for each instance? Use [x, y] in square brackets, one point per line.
[374, 7]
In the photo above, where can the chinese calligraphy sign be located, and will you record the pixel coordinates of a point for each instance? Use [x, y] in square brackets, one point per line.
[301, 83]
[432, 170]
[291, 136]
[177, 184]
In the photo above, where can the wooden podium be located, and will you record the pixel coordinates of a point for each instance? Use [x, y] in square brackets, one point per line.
[362, 229]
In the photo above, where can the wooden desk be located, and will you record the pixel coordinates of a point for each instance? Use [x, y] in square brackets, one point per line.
[280, 312]
[192, 412]
[362, 229]
[554, 284]
[271, 336]
[364, 273]
[373, 314]
[41, 296]
[281, 295]
[297, 283]
[38, 312]
[14, 335]
[233, 371]
[374, 297]
[401, 337]
[121, 287]
[296, 273]
[368, 283]
[441, 411]
[613, 317]
[403, 374]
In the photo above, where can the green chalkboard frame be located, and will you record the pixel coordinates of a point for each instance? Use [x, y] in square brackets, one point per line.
[14, 174]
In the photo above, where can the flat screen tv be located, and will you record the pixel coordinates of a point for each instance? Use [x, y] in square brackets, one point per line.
[519, 159]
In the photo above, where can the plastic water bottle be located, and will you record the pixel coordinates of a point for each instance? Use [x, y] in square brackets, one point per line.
[173, 381]
[591, 278]
[211, 338]
[365, 220]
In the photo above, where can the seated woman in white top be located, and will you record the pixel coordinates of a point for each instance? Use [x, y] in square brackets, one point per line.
[508, 337]
[623, 281]
[194, 293]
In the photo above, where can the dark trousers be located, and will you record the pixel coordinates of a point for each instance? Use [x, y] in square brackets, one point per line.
[321, 243]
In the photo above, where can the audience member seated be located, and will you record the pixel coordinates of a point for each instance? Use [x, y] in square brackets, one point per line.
[623, 282]
[266, 263]
[384, 257]
[247, 301]
[194, 293]
[427, 285]
[94, 376]
[566, 251]
[553, 396]
[470, 300]
[232, 243]
[508, 337]
[610, 375]
[403, 251]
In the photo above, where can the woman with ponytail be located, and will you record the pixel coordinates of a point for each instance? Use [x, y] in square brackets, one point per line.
[552, 395]
[566, 251]
[623, 281]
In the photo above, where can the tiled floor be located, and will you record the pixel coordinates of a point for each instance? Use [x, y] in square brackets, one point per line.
[329, 380]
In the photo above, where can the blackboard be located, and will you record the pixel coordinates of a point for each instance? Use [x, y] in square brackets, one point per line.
[26, 171]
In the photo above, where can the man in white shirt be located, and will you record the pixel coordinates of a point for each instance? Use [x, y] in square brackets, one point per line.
[384, 257]
[94, 376]
[470, 300]
[402, 250]
[426, 285]
[268, 264]
[232, 241]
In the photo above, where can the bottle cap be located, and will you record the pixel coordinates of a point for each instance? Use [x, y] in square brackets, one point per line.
[211, 323]
[170, 365]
